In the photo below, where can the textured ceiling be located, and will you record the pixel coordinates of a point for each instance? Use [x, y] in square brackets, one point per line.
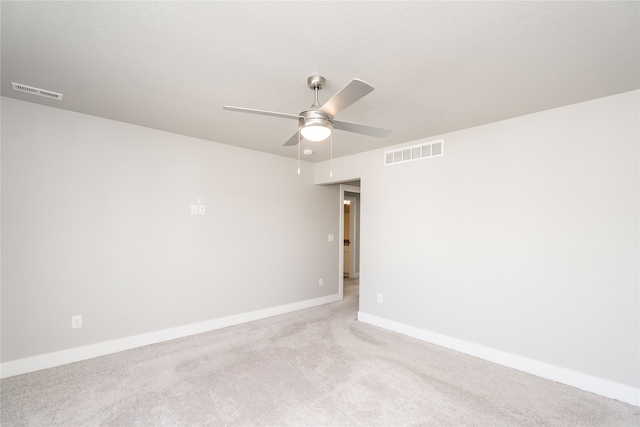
[436, 66]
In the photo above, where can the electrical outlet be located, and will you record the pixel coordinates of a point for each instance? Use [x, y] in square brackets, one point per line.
[330, 237]
[194, 209]
[321, 282]
[380, 298]
[76, 322]
[201, 209]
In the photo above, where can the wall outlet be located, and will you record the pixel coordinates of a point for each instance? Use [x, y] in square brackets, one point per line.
[330, 237]
[380, 298]
[201, 209]
[76, 322]
[321, 282]
[194, 209]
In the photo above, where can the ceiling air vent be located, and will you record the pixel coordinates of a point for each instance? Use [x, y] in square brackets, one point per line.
[35, 91]
[415, 152]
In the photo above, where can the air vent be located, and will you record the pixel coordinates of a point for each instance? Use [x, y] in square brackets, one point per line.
[415, 152]
[35, 91]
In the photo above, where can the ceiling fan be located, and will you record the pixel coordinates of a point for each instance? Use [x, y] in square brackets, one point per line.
[316, 123]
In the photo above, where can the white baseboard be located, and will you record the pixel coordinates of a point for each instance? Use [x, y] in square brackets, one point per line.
[50, 360]
[585, 382]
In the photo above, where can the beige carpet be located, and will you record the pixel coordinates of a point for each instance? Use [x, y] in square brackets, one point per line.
[315, 367]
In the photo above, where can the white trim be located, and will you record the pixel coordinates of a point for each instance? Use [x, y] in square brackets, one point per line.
[50, 360]
[340, 242]
[579, 380]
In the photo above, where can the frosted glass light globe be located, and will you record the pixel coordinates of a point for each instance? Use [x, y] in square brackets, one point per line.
[315, 133]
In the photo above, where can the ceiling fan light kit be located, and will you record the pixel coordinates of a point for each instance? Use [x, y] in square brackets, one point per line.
[317, 123]
[315, 126]
[315, 132]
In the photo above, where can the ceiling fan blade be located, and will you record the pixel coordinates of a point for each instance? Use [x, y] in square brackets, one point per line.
[353, 91]
[261, 112]
[361, 129]
[292, 141]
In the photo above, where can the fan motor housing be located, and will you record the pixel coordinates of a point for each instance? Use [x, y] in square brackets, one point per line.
[315, 118]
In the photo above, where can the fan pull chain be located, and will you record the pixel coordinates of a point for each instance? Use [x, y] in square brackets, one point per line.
[299, 143]
[331, 161]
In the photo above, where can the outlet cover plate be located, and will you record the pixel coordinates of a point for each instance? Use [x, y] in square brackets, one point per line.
[76, 322]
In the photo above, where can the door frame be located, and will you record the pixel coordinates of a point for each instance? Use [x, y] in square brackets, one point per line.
[353, 218]
[350, 189]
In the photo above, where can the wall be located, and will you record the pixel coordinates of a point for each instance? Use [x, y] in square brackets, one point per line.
[96, 221]
[520, 244]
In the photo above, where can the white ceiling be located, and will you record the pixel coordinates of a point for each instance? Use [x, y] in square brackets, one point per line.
[436, 66]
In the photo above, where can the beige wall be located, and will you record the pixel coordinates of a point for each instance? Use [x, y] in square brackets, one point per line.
[96, 221]
[522, 238]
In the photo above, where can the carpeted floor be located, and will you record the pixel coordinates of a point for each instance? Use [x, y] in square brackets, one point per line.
[315, 367]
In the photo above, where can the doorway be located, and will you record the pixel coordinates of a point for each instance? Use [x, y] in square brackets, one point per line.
[349, 259]
[350, 241]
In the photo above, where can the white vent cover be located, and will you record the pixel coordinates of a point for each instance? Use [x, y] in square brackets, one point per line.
[35, 91]
[415, 152]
